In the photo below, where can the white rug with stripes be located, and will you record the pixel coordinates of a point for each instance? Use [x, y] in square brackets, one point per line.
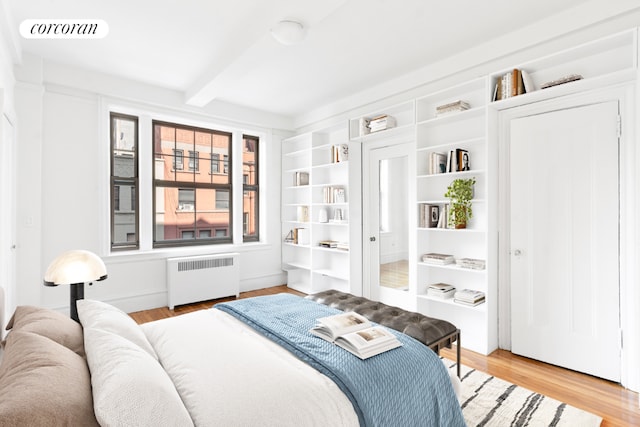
[489, 401]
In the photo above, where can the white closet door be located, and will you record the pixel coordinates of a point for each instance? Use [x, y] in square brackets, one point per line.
[565, 238]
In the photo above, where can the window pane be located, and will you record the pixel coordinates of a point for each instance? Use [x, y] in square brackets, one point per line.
[124, 217]
[220, 146]
[174, 213]
[250, 213]
[124, 174]
[164, 167]
[249, 161]
[222, 200]
[124, 147]
[208, 215]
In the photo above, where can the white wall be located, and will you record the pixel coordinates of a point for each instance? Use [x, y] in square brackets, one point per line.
[63, 188]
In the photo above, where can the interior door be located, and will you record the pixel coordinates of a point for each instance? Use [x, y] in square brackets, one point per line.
[7, 218]
[564, 232]
[386, 225]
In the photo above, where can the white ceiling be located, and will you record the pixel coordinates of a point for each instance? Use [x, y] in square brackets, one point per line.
[213, 49]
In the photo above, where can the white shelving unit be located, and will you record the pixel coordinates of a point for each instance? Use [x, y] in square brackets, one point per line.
[603, 63]
[465, 130]
[311, 267]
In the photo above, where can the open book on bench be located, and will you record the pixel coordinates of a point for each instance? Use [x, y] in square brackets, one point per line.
[356, 334]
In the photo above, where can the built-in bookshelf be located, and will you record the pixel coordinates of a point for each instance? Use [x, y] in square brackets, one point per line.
[325, 207]
[458, 119]
[451, 133]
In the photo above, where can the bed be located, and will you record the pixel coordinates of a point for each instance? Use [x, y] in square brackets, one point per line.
[212, 367]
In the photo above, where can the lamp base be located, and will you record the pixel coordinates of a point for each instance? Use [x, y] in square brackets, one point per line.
[76, 292]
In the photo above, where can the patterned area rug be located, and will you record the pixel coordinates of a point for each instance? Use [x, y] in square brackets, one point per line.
[489, 401]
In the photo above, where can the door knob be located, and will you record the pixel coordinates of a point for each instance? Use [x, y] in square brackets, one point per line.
[517, 252]
[372, 238]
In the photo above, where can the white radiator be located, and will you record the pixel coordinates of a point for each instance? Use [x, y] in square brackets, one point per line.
[201, 278]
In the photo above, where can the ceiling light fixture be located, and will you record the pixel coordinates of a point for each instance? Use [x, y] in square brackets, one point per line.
[288, 32]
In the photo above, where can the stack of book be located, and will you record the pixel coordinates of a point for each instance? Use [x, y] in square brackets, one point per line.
[452, 107]
[328, 244]
[468, 297]
[474, 264]
[438, 259]
[441, 290]
[381, 123]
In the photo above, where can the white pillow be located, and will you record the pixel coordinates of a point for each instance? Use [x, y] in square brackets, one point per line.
[130, 388]
[100, 315]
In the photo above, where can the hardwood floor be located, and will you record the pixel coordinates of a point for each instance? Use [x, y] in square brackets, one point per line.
[616, 405]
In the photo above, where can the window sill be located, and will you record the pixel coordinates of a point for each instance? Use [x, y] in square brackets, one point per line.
[164, 253]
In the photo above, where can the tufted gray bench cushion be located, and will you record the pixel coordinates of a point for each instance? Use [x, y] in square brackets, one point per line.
[434, 333]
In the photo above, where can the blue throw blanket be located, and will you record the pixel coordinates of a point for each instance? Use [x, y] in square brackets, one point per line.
[406, 386]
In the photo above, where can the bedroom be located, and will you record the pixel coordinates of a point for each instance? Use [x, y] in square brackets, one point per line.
[55, 165]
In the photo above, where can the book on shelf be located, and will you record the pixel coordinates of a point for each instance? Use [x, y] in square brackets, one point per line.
[438, 259]
[355, 334]
[332, 194]
[452, 107]
[463, 160]
[561, 80]
[339, 153]
[328, 244]
[428, 215]
[441, 290]
[298, 236]
[303, 214]
[508, 85]
[437, 163]
[469, 297]
[382, 122]
[471, 263]
[443, 219]
[342, 246]
[301, 178]
[458, 160]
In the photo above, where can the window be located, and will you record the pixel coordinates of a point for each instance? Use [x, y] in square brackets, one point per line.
[193, 161]
[215, 163]
[124, 181]
[178, 160]
[250, 188]
[186, 203]
[186, 200]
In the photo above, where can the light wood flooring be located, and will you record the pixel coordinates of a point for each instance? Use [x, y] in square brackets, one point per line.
[616, 405]
[395, 275]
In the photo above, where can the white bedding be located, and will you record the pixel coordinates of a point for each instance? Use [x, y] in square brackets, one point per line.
[227, 374]
[203, 368]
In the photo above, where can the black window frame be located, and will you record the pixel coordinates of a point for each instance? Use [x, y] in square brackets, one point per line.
[253, 188]
[193, 184]
[118, 181]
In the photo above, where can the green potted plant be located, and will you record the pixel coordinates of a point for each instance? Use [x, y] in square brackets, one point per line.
[460, 194]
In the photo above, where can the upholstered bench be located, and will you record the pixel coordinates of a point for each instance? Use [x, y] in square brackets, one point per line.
[434, 333]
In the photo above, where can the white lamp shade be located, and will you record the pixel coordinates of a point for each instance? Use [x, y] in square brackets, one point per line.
[288, 32]
[77, 266]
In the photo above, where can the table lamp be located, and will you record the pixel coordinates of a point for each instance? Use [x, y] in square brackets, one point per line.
[75, 268]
